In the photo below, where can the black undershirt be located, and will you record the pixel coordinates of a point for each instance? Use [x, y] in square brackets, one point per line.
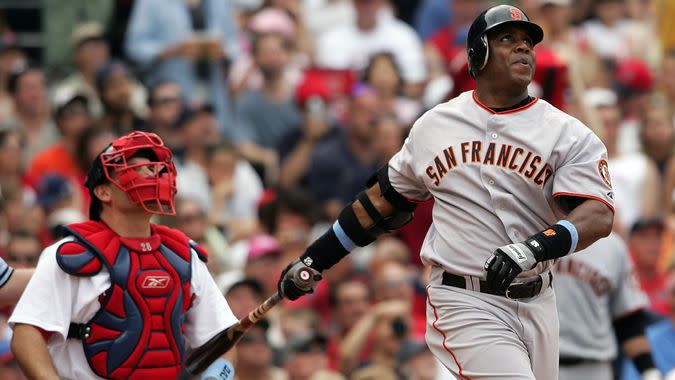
[517, 105]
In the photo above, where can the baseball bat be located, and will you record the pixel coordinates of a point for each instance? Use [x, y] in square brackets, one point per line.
[207, 353]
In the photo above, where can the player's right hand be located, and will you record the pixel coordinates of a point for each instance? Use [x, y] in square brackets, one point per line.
[506, 263]
[297, 279]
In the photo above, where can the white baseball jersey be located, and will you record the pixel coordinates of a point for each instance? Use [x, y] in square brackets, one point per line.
[53, 299]
[593, 288]
[495, 176]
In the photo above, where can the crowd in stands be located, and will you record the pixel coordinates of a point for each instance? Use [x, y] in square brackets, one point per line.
[278, 112]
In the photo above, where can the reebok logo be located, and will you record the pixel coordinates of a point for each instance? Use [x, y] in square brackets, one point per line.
[155, 282]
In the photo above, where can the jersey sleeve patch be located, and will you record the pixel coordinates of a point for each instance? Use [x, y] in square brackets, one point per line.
[76, 259]
[603, 169]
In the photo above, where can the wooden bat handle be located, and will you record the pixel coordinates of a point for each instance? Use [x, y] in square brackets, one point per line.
[253, 317]
[205, 354]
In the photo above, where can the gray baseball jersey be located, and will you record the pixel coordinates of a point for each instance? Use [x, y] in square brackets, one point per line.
[593, 288]
[495, 176]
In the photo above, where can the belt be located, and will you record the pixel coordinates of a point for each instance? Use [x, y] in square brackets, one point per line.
[516, 290]
[572, 361]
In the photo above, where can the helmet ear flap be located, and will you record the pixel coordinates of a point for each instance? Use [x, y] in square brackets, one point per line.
[478, 55]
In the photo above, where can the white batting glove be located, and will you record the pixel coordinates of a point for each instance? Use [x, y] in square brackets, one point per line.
[652, 374]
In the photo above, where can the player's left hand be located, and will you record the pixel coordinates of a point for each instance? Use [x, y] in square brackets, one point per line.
[506, 263]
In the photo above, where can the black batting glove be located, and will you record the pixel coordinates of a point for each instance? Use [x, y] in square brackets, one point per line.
[507, 262]
[297, 279]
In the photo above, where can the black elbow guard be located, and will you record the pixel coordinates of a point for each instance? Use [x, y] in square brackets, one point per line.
[392, 196]
[631, 326]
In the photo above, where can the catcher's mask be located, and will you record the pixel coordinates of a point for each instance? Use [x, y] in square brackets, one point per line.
[154, 189]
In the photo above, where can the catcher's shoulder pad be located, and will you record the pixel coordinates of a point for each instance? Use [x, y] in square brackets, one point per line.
[75, 258]
[178, 242]
[201, 252]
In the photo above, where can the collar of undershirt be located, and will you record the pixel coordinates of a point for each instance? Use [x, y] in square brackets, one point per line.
[527, 102]
[521, 103]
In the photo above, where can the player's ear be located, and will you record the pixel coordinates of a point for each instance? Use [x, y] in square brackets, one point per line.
[103, 193]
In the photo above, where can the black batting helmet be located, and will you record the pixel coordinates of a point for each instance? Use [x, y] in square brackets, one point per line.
[477, 43]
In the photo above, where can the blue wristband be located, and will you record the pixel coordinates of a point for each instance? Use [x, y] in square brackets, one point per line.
[346, 242]
[574, 234]
[220, 369]
[5, 272]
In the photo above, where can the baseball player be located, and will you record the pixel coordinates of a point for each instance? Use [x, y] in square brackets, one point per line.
[517, 183]
[597, 296]
[118, 296]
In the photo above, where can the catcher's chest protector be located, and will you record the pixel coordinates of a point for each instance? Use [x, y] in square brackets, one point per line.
[138, 332]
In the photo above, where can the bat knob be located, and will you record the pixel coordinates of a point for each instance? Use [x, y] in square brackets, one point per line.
[305, 278]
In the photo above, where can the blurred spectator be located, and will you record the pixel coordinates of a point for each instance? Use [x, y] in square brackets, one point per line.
[165, 105]
[372, 31]
[72, 120]
[644, 243]
[290, 216]
[90, 52]
[11, 56]
[26, 84]
[243, 296]
[350, 301]
[657, 135]
[634, 81]
[341, 165]
[433, 15]
[417, 362]
[56, 192]
[114, 84]
[117, 25]
[11, 146]
[384, 76]
[396, 281]
[190, 41]
[609, 32]
[323, 15]
[265, 115]
[263, 262]
[254, 356]
[23, 249]
[388, 248]
[245, 73]
[635, 178]
[198, 129]
[21, 211]
[583, 64]
[391, 133]
[379, 372]
[667, 76]
[306, 355]
[60, 218]
[298, 323]
[58, 21]
[297, 146]
[449, 41]
[387, 326]
[235, 189]
[192, 220]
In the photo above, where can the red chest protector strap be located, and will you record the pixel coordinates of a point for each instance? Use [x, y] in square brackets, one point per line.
[138, 331]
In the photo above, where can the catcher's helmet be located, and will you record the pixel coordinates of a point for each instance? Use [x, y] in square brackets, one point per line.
[155, 193]
[477, 42]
